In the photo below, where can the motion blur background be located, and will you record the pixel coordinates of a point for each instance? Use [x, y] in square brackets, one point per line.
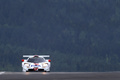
[79, 35]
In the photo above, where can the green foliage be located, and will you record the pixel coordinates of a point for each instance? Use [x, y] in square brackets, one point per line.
[80, 35]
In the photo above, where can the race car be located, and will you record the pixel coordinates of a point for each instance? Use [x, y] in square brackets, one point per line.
[36, 63]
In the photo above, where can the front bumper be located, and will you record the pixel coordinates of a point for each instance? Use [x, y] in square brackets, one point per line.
[25, 69]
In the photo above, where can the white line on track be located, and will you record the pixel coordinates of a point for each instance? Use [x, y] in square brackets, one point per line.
[2, 73]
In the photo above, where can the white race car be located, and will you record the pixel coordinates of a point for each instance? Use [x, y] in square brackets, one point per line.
[36, 63]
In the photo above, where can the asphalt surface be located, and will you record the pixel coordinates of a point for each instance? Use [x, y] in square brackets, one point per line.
[60, 76]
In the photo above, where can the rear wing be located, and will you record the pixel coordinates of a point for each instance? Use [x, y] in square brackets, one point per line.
[36, 55]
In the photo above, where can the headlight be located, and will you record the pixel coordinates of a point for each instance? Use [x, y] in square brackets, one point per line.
[26, 64]
[45, 65]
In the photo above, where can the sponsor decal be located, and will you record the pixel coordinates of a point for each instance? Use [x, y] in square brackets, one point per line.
[35, 69]
[36, 65]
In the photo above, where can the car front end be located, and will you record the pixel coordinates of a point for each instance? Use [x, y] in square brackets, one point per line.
[36, 67]
[36, 64]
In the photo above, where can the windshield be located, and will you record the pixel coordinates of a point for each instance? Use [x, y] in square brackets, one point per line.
[36, 60]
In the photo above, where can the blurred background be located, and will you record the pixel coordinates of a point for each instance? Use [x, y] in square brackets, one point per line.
[79, 35]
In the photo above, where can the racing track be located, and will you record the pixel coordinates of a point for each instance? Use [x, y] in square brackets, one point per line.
[60, 76]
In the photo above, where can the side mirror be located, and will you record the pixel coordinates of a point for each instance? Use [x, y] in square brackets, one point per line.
[49, 60]
[22, 60]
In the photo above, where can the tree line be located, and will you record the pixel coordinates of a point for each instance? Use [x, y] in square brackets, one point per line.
[79, 35]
